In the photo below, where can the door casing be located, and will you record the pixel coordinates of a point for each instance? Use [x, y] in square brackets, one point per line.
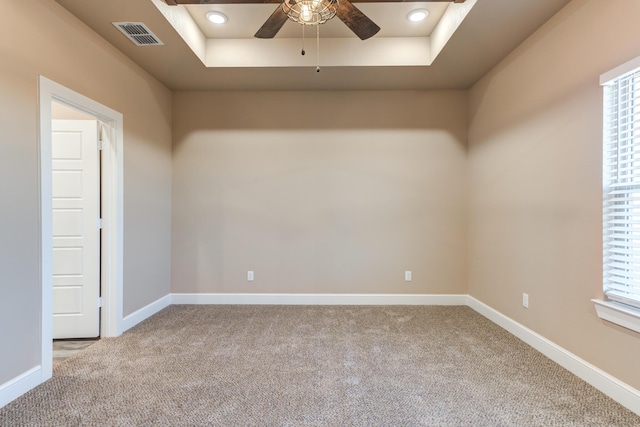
[112, 214]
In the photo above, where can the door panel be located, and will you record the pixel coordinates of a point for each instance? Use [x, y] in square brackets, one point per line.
[68, 300]
[67, 184]
[67, 222]
[76, 236]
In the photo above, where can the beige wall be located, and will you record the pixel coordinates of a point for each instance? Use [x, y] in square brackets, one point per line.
[535, 143]
[39, 37]
[319, 192]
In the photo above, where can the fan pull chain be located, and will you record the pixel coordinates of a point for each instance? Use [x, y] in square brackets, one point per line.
[303, 52]
[318, 48]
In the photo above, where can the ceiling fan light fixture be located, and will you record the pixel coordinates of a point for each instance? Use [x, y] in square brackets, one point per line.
[310, 12]
[418, 15]
[217, 17]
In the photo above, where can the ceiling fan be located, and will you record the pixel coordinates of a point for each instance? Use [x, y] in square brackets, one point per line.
[358, 22]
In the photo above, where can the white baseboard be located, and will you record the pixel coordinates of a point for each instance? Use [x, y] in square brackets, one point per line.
[320, 299]
[145, 312]
[622, 393]
[19, 385]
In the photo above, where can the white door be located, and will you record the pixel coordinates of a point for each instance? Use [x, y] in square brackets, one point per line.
[76, 233]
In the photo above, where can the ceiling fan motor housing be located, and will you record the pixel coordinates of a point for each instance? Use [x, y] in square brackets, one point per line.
[310, 12]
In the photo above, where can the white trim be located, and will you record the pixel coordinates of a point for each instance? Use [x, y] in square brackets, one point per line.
[46, 228]
[319, 299]
[112, 199]
[19, 385]
[622, 393]
[618, 314]
[145, 312]
[619, 71]
[112, 242]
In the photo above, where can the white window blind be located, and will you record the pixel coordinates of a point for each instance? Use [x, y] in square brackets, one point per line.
[621, 185]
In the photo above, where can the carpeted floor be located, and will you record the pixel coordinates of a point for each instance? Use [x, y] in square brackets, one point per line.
[314, 366]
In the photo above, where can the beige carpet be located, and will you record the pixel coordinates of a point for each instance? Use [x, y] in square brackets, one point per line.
[314, 366]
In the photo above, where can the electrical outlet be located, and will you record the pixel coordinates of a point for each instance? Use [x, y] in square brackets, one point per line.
[525, 300]
[250, 276]
[407, 276]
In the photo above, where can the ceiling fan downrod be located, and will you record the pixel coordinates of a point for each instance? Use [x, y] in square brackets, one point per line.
[318, 48]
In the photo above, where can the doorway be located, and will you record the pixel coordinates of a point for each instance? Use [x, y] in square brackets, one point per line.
[110, 246]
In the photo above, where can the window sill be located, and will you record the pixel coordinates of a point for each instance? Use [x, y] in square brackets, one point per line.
[619, 314]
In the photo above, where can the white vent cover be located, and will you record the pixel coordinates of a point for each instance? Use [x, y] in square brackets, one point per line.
[138, 33]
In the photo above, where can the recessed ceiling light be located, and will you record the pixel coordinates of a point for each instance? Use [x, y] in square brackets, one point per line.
[216, 17]
[418, 15]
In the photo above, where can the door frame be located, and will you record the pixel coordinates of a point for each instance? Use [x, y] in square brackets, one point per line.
[112, 238]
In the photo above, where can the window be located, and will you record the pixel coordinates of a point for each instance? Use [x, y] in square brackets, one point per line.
[621, 184]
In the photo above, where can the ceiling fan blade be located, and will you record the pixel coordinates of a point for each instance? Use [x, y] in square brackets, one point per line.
[272, 25]
[357, 21]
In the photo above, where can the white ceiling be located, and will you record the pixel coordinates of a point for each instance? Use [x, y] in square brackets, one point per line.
[492, 29]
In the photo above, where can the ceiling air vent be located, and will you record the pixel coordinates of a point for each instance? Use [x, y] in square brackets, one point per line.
[138, 33]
